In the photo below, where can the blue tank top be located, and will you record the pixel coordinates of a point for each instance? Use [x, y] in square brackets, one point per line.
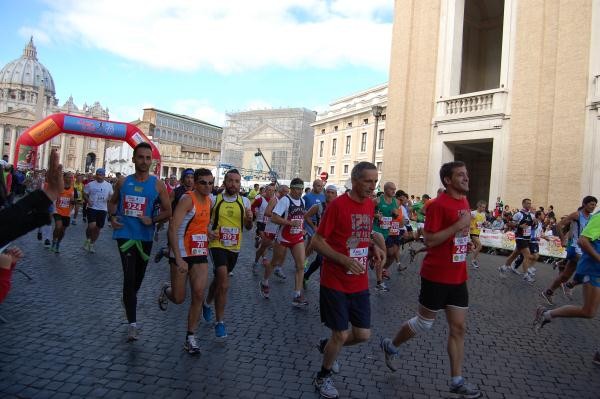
[136, 199]
[577, 227]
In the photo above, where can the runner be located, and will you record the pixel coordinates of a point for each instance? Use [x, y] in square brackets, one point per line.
[588, 271]
[259, 206]
[386, 210]
[317, 209]
[62, 211]
[443, 276]
[97, 193]
[289, 214]
[577, 220]
[230, 213]
[271, 230]
[344, 241]
[132, 221]
[313, 197]
[78, 185]
[188, 229]
[522, 220]
[477, 222]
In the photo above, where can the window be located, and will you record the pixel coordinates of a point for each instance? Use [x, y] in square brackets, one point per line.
[332, 170]
[366, 121]
[379, 166]
[363, 142]
[322, 131]
[333, 147]
[335, 128]
[321, 144]
[382, 117]
[380, 141]
[349, 124]
[345, 169]
[348, 144]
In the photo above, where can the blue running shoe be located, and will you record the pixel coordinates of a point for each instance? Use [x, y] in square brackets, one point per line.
[206, 312]
[220, 330]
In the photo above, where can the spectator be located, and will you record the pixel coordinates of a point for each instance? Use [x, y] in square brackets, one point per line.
[498, 223]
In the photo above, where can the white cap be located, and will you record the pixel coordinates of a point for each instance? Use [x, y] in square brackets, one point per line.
[331, 187]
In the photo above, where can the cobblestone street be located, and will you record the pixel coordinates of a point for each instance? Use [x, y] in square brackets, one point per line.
[65, 333]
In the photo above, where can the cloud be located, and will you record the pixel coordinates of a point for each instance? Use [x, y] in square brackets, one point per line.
[199, 109]
[229, 35]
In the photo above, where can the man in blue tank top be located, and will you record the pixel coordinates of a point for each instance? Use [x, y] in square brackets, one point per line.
[131, 217]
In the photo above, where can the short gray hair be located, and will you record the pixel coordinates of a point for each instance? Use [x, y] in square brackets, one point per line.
[359, 168]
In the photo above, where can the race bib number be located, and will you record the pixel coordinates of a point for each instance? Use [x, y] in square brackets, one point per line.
[199, 245]
[229, 236]
[266, 219]
[395, 229]
[360, 255]
[298, 229]
[459, 251]
[385, 222]
[134, 205]
[64, 202]
[527, 231]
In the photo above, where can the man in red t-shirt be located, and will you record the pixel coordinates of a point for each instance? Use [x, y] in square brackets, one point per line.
[443, 275]
[344, 240]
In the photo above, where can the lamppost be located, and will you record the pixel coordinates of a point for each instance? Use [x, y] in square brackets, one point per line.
[377, 109]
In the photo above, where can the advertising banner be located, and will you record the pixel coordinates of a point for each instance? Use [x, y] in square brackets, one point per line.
[497, 239]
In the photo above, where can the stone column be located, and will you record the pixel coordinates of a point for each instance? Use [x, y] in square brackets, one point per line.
[63, 149]
[13, 144]
[1, 138]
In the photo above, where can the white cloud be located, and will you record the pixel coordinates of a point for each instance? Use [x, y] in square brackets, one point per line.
[228, 35]
[200, 109]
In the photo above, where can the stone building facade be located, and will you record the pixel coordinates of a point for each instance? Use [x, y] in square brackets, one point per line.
[511, 87]
[27, 95]
[350, 130]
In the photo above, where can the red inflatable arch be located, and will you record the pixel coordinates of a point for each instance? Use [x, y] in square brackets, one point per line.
[38, 134]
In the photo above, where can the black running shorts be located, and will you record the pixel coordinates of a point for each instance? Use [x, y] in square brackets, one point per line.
[436, 296]
[338, 309]
[223, 257]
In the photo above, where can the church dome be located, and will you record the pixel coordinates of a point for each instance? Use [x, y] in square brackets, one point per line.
[27, 71]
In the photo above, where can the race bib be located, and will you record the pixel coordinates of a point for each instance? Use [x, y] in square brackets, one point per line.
[385, 222]
[229, 236]
[395, 229]
[361, 255]
[199, 245]
[64, 202]
[527, 231]
[266, 219]
[134, 205]
[299, 229]
[459, 250]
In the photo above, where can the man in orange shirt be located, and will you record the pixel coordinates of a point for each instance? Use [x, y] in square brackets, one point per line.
[62, 214]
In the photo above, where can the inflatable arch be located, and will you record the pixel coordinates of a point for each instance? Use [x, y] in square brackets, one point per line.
[46, 129]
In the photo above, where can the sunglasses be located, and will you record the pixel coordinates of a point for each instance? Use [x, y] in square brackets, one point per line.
[206, 183]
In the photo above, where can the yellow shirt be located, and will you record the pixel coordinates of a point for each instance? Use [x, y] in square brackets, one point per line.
[477, 220]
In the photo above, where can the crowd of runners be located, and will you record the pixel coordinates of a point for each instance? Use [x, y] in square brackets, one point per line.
[347, 235]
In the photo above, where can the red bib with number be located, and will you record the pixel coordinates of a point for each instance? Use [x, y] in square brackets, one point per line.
[229, 236]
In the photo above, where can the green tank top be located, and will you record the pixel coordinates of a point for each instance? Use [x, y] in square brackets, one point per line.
[383, 224]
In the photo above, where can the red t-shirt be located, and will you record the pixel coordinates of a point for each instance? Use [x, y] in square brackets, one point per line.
[346, 226]
[447, 262]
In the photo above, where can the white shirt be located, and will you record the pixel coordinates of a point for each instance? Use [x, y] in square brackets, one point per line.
[98, 194]
[284, 203]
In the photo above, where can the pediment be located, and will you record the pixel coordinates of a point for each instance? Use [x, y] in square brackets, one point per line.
[266, 132]
[22, 113]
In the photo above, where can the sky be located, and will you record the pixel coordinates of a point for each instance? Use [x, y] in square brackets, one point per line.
[203, 58]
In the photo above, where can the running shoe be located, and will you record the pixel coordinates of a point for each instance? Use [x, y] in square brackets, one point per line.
[256, 241]
[502, 270]
[206, 312]
[321, 347]
[547, 295]
[191, 346]
[326, 387]
[389, 355]
[401, 267]
[279, 273]
[159, 255]
[465, 390]
[386, 274]
[475, 264]
[263, 289]
[567, 292]
[47, 243]
[539, 321]
[92, 249]
[514, 270]
[220, 330]
[163, 300]
[230, 274]
[532, 270]
[596, 359]
[382, 287]
[529, 278]
[412, 253]
[74, 222]
[86, 245]
[132, 333]
[299, 301]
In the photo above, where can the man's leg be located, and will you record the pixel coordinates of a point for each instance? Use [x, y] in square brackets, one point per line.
[591, 302]
[198, 278]
[176, 290]
[298, 255]
[340, 339]
[418, 324]
[456, 338]
[221, 285]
